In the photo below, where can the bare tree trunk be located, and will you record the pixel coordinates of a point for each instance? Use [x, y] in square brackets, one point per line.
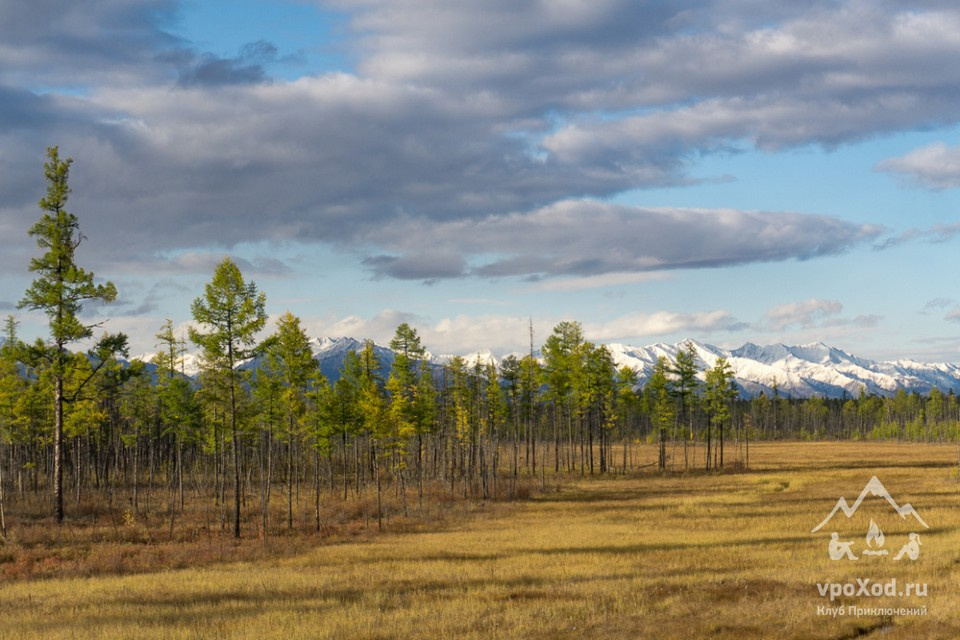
[376, 464]
[180, 469]
[343, 439]
[590, 447]
[266, 465]
[746, 440]
[721, 444]
[420, 473]
[136, 469]
[290, 477]
[77, 469]
[3, 521]
[58, 449]
[236, 455]
[316, 483]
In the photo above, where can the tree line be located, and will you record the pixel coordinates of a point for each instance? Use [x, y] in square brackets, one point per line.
[242, 436]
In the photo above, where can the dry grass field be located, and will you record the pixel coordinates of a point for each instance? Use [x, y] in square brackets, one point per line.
[727, 555]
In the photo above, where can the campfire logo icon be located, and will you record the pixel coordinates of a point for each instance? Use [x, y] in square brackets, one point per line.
[843, 549]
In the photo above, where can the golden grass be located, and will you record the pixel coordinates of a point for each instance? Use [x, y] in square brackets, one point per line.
[696, 556]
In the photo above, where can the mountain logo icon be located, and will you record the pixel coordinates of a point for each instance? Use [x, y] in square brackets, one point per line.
[873, 488]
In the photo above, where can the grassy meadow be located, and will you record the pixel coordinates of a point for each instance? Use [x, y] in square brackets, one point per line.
[695, 555]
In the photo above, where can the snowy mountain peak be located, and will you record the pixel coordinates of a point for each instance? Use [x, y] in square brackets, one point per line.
[799, 371]
[813, 369]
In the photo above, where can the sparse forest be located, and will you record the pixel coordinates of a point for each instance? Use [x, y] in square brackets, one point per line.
[91, 431]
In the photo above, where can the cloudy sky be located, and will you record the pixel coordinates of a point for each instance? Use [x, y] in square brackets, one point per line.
[731, 171]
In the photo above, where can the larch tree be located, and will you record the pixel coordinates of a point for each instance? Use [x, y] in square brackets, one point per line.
[410, 391]
[60, 290]
[232, 312]
[628, 407]
[719, 393]
[291, 358]
[12, 386]
[685, 386]
[178, 409]
[563, 373]
[661, 408]
[373, 411]
[344, 415]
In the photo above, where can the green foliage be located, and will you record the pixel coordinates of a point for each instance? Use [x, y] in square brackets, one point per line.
[371, 401]
[563, 363]
[719, 392]
[12, 384]
[61, 287]
[658, 396]
[686, 385]
[290, 361]
[233, 312]
[60, 291]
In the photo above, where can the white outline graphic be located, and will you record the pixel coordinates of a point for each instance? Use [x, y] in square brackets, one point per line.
[875, 488]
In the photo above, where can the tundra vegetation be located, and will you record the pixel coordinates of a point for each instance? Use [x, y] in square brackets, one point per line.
[644, 504]
[641, 555]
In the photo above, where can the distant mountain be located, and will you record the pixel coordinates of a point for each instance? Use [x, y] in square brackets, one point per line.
[800, 371]
[330, 353]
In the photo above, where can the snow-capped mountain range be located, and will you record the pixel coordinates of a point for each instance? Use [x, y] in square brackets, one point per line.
[802, 371]
[799, 371]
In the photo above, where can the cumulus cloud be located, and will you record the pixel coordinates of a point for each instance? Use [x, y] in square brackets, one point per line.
[936, 166]
[805, 314]
[642, 325]
[479, 125]
[456, 335]
[777, 73]
[379, 328]
[506, 333]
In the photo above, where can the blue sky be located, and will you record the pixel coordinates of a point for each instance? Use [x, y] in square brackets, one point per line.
[730, 171]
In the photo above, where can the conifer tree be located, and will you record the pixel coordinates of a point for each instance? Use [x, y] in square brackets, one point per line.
[658, 394]
[718, 395]
[373, 412]
[411, 396]
[60, 291]
[178, 408]
[291, 358]
[232, 311]
[685, 390]
[12, 387]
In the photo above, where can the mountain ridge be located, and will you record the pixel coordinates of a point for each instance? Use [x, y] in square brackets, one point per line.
[796, 371]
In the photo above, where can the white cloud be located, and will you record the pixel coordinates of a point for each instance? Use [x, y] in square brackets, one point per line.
[380, 328]
[663, 323]
[509, 333]
[805, 314]
[936, 166]
[468, 111]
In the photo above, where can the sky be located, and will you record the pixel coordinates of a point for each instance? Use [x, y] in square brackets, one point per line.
[729, 171]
